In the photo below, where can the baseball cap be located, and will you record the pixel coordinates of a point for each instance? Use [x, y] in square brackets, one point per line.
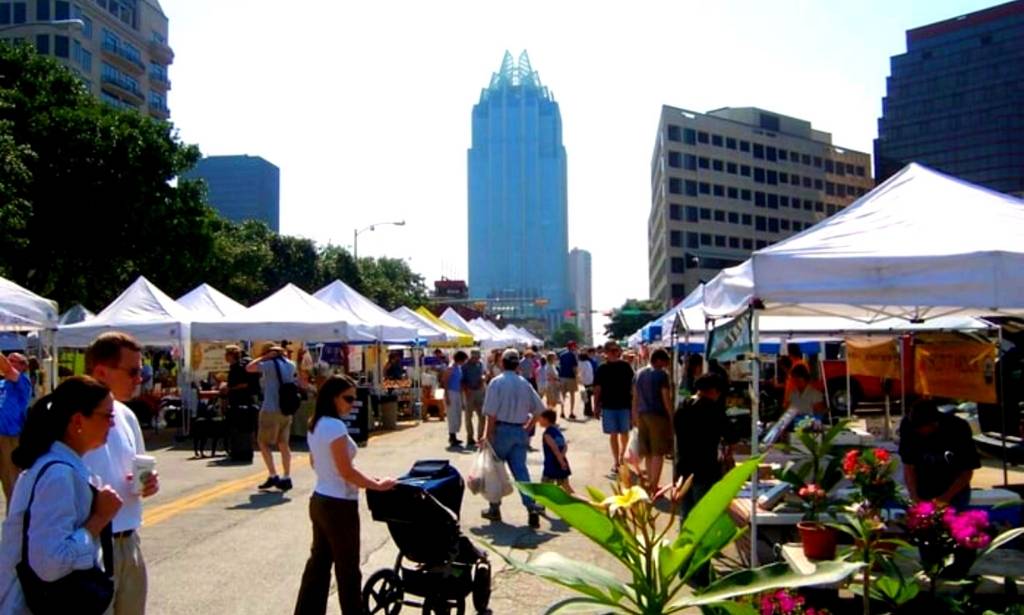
[510, 355]
[571, 344]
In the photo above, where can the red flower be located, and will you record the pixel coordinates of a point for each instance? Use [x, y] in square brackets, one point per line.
[881, 455]
[850, 462]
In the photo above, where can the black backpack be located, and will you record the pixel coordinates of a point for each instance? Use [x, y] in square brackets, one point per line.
[288, 395]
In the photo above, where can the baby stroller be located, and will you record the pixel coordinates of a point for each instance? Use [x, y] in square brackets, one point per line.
[422, 513]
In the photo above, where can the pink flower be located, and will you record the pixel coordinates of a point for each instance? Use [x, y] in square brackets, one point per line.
[786, 602]
[767, 605]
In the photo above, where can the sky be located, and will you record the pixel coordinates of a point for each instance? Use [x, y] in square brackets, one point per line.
[365, 106]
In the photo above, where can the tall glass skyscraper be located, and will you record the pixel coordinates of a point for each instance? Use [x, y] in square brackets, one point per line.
[955, 101]
[518, 207]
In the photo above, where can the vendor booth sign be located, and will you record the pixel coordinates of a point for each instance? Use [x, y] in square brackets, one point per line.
[873, 357]
[956, 369]
[209, 357]
[732, 339]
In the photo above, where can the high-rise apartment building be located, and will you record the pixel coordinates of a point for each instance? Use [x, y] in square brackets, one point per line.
[118, 47]
[579, 288]
[241, 187]
[734, 180]
[518, 208]
[955, 102]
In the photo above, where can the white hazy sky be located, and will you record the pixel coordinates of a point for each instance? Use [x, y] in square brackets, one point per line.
[365, 106]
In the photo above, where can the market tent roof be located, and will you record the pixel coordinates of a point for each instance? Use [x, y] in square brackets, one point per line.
[524, 335]
[77, 313]
[920, 245]
[23, 310]
[435, 334]
[497, 335]
[464, 336]
[205, 301]
[453, 318]
[291, 313]
[142, 310]
[367, 315]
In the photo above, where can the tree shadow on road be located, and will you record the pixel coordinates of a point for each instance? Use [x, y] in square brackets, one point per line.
[515, 536]
[258, 501]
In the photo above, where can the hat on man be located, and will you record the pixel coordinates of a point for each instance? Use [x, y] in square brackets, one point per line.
[510, 355]
[571, 344]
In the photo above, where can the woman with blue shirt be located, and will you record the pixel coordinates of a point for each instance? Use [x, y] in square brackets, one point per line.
[67, 513]
[334, 506]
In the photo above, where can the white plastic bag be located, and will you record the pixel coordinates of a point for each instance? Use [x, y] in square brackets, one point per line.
[475, 480]
[489, 476]
[633, 447]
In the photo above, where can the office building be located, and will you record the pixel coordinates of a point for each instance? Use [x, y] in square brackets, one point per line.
[954, 100]
[518, 208]
[579, 288]
[241, 187]
[733, 180]
[118, 47]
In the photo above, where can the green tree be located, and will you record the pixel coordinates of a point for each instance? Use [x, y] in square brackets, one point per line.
[336, 263]
[633, 314]
[565, 333]
[390, 283]
[294, 261]
[242, 255]
[93, 201]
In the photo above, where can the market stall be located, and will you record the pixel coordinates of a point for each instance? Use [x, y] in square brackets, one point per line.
[21, 310]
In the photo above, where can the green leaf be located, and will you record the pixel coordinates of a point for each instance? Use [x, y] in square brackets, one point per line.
[1002, 539]
[715, 503]
[583, 577]
[596, 494]
[747, 582]
[721, 534]
[577, 605]
[589, 520]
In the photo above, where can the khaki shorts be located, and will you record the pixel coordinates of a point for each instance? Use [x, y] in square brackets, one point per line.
[655, 435]
[569, 385]
[274, 428]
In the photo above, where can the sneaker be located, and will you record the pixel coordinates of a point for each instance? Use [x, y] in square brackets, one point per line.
[270, 483]
[491, 514]
[572, 417]
[470, 443]
[284, 484]
[533, 519]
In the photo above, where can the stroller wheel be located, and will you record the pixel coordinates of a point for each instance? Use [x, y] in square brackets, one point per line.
[382, 593]
[482, 587]
[441, 606]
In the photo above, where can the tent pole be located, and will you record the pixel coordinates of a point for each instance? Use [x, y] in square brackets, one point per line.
[903, 377]
[1002, 401]
[755, 406]
[849, 389]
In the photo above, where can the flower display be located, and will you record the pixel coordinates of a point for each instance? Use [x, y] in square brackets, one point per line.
[922, 516]
[969, 529]
[871, 473]
[785, 602]
[626, 499]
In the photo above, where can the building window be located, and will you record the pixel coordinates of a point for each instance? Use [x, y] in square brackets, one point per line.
[759, 151]
[730, 143]
[734, 243]
[794, 179]
[860, 171]
[807, 182]
[730, 167]
[784, 224]
[747, 220]
[745, 171]
[828, 166]
[819, 185]
[831, 209]
[841, 190]
[805, 159]
[830, 188]
[773, 178]
[773, 225]
[86, 21]
[745, 195]
[718, 165]
[759, 175]
[157, 100]
[783, 201]
[690, 136]
[42, 10]
[690, 162]
[817, 162]
[734, 193]
[771, 154]
[702, 137]
[761, 244]
[691, 188]
[716, 140]
[62, 9]
[43, 43]
[704, 163]
[819, 207]
[808, 205]
[692, 240]
[744, 146]
[678, 291]
[5, 13]
[759, 200]
[61, 46]
[692, 213]
[676, 239]
[748, 244]
[675, 212]
[20, 12]
[719, 215]
[760, 223]
[705, 239]
[783, 154]
[797, 226]
[675, 159]
[678, 265]
[674, 186]
[840, 168]
[734, 218]
[773, 201]
[719, 241]
[719, 190]
[705, 188]
[705, 213]
[783, 178]
[673, 133]
[796, 203]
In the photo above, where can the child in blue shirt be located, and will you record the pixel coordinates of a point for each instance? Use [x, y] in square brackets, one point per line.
[556, 465]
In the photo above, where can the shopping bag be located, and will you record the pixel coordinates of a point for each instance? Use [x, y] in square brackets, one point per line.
[633, 447]
[475, 480]
[494, 481]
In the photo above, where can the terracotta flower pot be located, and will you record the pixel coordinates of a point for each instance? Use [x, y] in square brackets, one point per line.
[819, 541]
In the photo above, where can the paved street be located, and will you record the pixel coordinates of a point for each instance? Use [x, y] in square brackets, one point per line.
[213, 544]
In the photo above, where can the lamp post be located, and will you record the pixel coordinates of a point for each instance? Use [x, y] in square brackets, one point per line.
[355, 235]
[58, 24]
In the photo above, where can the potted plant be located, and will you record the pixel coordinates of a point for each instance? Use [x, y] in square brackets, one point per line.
[871, 472]
[818, 540]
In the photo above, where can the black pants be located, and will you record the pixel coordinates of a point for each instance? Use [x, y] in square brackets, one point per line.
[335, 541]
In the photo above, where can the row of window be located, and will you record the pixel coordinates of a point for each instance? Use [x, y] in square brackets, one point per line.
[123, 80]
[695, 215]
[116, 102]
[13, 13]
[61, 45]
[114, 43]
[770, 200]
[759, 151]
[760, 175]
[692, 261]
[122, 9]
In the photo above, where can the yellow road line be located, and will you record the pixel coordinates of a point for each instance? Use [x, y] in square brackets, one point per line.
[159, 514]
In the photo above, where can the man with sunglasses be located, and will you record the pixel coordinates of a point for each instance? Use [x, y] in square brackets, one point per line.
[15, 394]
[115, 359]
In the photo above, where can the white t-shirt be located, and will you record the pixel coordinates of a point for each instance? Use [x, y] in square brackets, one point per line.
[803, 403]
[586, 372]
[328, 481]
[113, 463]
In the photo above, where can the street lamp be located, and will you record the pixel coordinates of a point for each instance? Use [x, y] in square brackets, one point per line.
[58, 24]
[355, 235]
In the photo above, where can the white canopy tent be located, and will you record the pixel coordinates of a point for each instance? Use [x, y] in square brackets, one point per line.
[498, 337]
[481, 335]
[290, 313]
[142, 310]
[920, 245]
[205, 301]
[23, 310]
[425, 328]
[367, 316]
[77, 313]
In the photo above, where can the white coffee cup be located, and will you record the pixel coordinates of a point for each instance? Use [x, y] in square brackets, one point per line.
[142, 468]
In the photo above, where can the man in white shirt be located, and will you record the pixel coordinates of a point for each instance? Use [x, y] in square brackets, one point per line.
[115, 359]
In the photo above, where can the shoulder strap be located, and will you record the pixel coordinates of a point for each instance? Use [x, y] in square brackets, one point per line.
[106, 536]
[277, 368]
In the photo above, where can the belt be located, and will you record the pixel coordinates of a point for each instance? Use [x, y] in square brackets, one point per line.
[124, 534]
[511, 423]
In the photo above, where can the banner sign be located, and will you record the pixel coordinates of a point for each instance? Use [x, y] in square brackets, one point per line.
[873, 357]
[956, 369]
[732, 339]
[209, 357]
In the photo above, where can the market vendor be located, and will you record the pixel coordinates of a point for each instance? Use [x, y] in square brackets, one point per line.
[801, 398]
[393, 369]
[938, 454]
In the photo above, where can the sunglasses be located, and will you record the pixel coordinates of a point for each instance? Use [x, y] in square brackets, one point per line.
[133, 372]
[349, 398]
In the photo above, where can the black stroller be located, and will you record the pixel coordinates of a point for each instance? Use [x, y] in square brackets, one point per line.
[422, 513]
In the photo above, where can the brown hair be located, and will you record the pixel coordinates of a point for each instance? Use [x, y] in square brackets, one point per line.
[48, 419]
[330, 389]
[106, 349]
